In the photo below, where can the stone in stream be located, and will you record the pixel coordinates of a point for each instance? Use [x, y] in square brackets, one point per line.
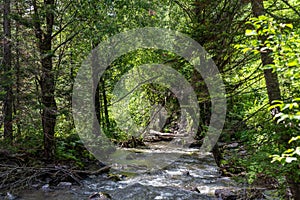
[46, 188]
[246, 193]
[232, 145]
[64, 185]
[99, 196]
[225, 194]
[10, 196]
[146, 192]
[196, 189]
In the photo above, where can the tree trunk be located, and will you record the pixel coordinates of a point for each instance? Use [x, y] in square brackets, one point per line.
[49, 107]
[271, 77]
[97, 110]
[96, 89]
[200, 86]
[105, 103]
[47, 83]
[8, 100]
[18, 77]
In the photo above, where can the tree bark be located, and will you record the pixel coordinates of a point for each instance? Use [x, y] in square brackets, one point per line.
[7, 57]
[96, 89]
[18, 76]
[46, 81]
[271, 77]
[199, 84]
[97, 119]
[105, 103]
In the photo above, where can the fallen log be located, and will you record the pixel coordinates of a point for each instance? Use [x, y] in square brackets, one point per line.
[154, 136]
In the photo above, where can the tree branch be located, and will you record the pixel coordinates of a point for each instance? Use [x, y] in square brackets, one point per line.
[66, 41]
[291, 7]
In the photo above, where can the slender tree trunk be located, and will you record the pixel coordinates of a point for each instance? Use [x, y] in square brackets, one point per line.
[7, 56]
[197, 80]
[105, 103]
[271, 77]
[101, 113]
[47, 82]
[49, 107]
[18, 76]
[96, 88]
[97, 109]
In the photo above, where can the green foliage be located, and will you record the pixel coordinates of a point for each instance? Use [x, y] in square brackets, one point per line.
[72, 149]
[217, 25]
[282, 43]
[290, 116]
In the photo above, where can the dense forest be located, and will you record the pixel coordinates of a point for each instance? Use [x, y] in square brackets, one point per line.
[253, 44]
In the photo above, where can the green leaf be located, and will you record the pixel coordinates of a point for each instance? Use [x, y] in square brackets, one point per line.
[294, 138]
[290, 159]
[292, 63]
[276, 158]
[279, 115]
[286, 106]
[275, 106]
[295, 105]
[297, 117]
[289, 25]
[250, 32]
[282, 118]
[277, 101]
[297, 151]
[246, 50]
[264, 49]
[289, 151]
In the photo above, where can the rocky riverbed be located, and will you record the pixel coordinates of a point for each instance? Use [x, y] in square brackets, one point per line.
[190, 176]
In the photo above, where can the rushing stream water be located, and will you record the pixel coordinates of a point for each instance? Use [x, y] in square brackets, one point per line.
[191, 176]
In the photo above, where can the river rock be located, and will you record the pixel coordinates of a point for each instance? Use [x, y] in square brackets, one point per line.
[147, 192]
[196, 189]
[232, 145]
[64, 185]
[248, 193]
[46, 188]
[225, 194]
[10, 196]
[99, 196]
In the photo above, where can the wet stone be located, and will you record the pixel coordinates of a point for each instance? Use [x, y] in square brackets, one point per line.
[99, 196]
[46, 188]
[225, 194]
[64, 185]
[10, 196]
[232, 145]
[138, 191]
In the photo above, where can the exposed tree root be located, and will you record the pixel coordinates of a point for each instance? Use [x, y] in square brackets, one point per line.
[14, 177]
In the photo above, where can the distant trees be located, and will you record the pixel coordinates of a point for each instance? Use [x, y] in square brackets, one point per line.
[7, 66]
